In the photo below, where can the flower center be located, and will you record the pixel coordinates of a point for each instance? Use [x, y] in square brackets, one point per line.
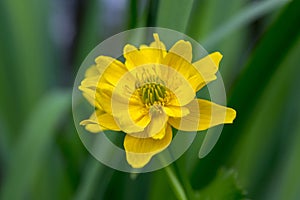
[153, 94]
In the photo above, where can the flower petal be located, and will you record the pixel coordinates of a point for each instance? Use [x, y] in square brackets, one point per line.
[146, 55]
[203, 115]
[157, 44]
[92, 71]
[88, 93]
[182, 49]
[124, 103]
[107, 121]
[208, 67]
[139, 151]
[176, 111]
[100, 121]
[112, 69]
[158, 122]
[106, 71]
[197, 74]
[161, 133]
[122, 90]
[131, 116]
[182, 67]
[181, 91]
[155, 128]
[89, 84]
[91, 124]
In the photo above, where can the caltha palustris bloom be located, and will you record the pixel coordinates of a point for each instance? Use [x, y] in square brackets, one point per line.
[151, 92]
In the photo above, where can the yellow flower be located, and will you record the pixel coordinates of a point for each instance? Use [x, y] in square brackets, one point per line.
[151, 92]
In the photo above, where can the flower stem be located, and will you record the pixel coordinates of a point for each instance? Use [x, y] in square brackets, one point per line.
[180, 169]
[175, 183]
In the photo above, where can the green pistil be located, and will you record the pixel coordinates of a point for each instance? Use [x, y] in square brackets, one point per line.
[152, 93]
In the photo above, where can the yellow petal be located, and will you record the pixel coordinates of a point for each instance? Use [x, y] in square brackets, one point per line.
[181, 66]
[158, 122]
[92, 71]
[90, 82]
[203, 115]
[155, 128]
[131, 116]
[88, 86]
[182, 49]
[208, 67]
[107, 121]
[146, 55]
[113, 70]
[161, 133]
[129, 112]
[197, 74]
[100, 121]
[88, 94]
[106, 71]
[157, 44]
[107, 93]
[103, 97]
[181, 92]
[92, 125]
[139, 151]
[124, 103]
[176, 111]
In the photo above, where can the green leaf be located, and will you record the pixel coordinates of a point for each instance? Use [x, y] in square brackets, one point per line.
[30, 49]
[224, 186]
[4, 144]
[265, 125]
[133, 8]
[93, 172]
[160, 187]
[34, 143]
[250, 13]
[247, 92]
[266, 59]
[54, 183]
[288, 183]
[89, 34]
[174, 14]
[152, 11]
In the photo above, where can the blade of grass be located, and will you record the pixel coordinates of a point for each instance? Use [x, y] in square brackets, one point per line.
[174, 14]
[224, 29]
[53, 180]
[175, 183]
[266, 58]
[244, 17]
[287, 186]
[93, 172]
[207, 17]
[152, 13]
[89, 34]
[160, 187]
[34, 142]
[29, 39]
[133, 8]
[262, 129]
[8, 100]
[265, 61]
[4, 147]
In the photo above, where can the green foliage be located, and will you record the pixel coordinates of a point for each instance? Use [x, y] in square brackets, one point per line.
[34, 144]
[224, 186]
[41, 155]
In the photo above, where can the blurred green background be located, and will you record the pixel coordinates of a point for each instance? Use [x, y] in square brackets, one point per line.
[42, 44]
